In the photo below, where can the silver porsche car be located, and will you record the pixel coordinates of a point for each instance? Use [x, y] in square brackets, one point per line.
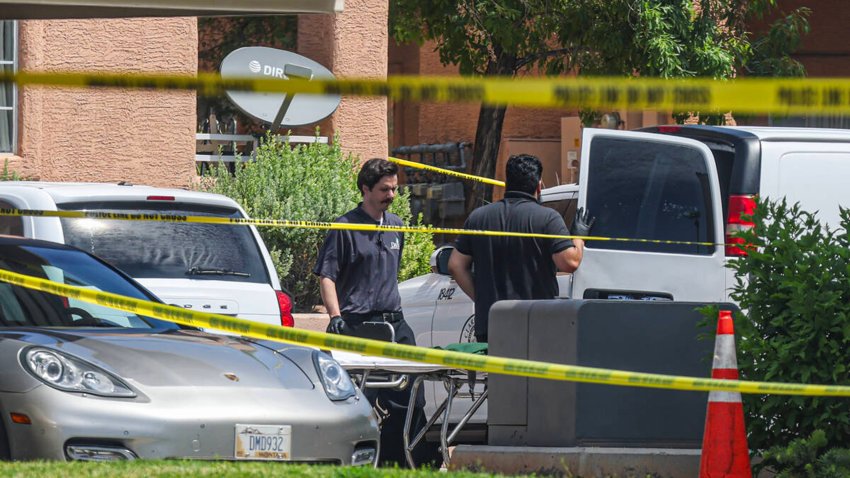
[85, 382]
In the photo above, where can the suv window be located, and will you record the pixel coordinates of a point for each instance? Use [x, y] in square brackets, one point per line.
[565, 207]
[11, 225]
[648, 190]
[149, 249]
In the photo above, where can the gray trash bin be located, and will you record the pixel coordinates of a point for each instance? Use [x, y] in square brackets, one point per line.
[639, 336]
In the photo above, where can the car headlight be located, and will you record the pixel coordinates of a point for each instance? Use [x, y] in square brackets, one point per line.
[70, 374]
[337, 383]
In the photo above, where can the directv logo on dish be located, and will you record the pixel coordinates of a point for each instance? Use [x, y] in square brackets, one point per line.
[267, 70]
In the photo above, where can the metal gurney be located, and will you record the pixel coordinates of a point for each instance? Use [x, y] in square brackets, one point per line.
[394, 373]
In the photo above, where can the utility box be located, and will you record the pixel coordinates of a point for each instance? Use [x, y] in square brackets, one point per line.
[638, 336]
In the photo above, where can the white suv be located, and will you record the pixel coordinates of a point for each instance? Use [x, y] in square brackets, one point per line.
[222, 269]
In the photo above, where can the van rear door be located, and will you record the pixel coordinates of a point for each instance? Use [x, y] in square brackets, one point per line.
[662, 194]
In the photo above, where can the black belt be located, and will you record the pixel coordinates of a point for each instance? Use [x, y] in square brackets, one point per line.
[390, 317]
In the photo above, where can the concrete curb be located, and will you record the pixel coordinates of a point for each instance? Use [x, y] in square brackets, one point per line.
[578, 461]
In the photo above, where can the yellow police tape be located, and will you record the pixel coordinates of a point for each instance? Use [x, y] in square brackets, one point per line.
[340, 226]
[454, 360]
[746, 95]
[447, 172]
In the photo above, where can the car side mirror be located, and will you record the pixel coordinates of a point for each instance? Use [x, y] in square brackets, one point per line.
[440, 260]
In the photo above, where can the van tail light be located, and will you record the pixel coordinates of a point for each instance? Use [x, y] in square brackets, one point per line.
[284, 302]
[160, 198]
[669, 129]
[739, 205]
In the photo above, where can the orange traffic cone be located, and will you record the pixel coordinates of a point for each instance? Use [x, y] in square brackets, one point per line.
[724, 442]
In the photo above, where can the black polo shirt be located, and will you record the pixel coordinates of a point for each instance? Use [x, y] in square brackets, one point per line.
[363, 264]
[507, 268]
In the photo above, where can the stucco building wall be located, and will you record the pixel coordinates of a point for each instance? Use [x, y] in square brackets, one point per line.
[107, 134]
[352, 44]
[141, 136]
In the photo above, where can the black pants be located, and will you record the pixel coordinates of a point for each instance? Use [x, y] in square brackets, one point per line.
[392, 405]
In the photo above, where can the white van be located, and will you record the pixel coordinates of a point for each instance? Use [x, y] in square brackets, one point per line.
[211, 268]
[691, 184]
[666, 183]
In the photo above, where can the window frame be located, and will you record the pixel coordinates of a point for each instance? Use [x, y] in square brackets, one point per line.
[14, 106]
[656, 184]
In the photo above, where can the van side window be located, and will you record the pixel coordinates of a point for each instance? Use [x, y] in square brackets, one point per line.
[648, 190]
[11, 225]
[565, 207]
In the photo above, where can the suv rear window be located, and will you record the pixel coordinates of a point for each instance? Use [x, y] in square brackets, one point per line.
[565, 207]
[168, 250]
[648, 190]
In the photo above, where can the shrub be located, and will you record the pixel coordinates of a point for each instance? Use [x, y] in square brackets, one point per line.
[7, 174]
[310, 182]
[418, 246]
[807, 458]
[795, 289]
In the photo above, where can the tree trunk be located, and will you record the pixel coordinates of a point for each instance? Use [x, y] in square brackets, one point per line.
[488, 136]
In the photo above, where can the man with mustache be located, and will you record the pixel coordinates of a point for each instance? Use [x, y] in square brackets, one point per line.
[358, 279]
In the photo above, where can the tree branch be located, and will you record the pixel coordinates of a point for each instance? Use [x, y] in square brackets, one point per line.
[522, 62]
[479, 24]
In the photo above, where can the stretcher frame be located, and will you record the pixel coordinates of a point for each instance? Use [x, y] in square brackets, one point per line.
[396, 375]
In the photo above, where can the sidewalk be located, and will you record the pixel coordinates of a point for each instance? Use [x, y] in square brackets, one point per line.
[317, 322]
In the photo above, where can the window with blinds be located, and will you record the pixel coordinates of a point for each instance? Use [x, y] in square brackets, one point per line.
[8, 91]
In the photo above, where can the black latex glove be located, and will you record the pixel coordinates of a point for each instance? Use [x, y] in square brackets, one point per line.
[336, 325]
[582, 223]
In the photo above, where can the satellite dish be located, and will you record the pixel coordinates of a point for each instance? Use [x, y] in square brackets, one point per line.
[278, 109]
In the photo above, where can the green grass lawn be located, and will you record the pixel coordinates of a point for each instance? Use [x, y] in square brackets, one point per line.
[159, 469]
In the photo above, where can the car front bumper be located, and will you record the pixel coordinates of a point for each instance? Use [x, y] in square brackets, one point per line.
[182, 422]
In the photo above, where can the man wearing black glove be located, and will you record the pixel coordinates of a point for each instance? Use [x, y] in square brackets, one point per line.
[336, 325]
[358, 280]
[516, 267]
[582, 222]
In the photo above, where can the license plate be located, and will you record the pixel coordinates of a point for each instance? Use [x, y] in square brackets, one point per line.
[263, 442]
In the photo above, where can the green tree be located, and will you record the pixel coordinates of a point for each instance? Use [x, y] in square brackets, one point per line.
[657, 38]
[771, 53]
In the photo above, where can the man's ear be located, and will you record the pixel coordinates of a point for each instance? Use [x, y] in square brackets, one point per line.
[539, 187]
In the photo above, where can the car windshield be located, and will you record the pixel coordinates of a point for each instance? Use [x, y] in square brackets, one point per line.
[23, 307]
[168, 250]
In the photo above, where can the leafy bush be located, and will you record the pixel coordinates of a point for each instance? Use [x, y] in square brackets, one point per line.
[310, 182]
[808, 458]
[795, 288]
[7, 174]
[418, 246]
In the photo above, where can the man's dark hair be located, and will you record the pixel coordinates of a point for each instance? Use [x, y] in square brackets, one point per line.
[523, 173]
[372, 172]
